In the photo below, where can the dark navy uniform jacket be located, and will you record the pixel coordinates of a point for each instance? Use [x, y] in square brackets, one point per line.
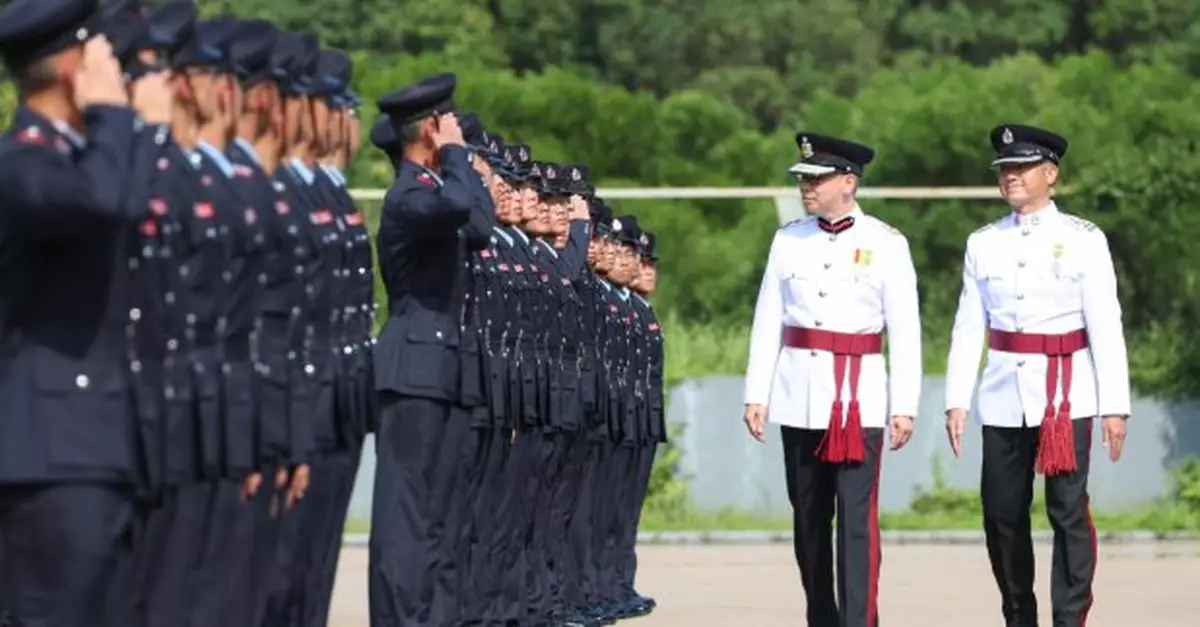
[64, 219]
[652, 332]
[282, 298]
[423, 258]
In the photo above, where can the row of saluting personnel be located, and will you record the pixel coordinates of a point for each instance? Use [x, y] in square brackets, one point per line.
[189, 369]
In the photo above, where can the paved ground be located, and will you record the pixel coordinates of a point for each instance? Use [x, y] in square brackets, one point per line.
[923, 586]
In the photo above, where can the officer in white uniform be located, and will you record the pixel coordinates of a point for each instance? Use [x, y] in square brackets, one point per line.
[1039, 286]
[833, 281]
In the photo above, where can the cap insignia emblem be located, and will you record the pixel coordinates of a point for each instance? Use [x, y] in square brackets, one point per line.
[575, 176]
[1007, 137]
[806, 148]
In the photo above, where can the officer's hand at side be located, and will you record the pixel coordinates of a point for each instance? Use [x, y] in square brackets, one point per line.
[902, 430]
[579, 208]
[756, 421]
[1112, 430]
[152, 97]
[956, 421]
[448, 132]
[98, 80]
[250, 486]
[299, 486]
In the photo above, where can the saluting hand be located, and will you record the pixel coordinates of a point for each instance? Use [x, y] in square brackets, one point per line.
[448, 132]
[756, 421]
[579, 208]
[902, 430]
[98, 80]
[152, 97]
[1112, 429]
[956, 421]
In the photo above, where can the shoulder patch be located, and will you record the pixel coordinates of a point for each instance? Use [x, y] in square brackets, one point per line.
[32, 136]
[1079, 223]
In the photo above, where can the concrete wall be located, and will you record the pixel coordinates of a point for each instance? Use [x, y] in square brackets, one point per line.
[728, 469]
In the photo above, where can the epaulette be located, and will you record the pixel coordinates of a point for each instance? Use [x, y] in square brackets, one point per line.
[985, 228]
[796, 222]
[885, 226]
[1080, 224]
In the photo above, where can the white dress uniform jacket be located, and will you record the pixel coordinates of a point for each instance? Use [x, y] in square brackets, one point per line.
[1045, 273]
[857, 281]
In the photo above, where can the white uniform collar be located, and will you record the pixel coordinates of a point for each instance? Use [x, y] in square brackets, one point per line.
[1041, 216]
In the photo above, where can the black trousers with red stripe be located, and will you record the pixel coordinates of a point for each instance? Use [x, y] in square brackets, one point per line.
[817, 491]
[1007, 489]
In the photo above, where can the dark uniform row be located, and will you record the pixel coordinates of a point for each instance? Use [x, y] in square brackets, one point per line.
[520, 378]
[186, 319]
[186, 357]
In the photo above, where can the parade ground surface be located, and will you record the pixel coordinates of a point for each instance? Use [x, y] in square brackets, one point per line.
[922, 586]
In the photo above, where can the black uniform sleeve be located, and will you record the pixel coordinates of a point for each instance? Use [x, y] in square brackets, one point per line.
[436, 208]
[574, 255]
[49, 194]
[477, 232]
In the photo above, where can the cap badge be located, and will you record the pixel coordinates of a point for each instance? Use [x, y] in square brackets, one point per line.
[645, 241]
[806, 148]
[551, 173]
[1007, 137]
[575, 176]
[616, 224]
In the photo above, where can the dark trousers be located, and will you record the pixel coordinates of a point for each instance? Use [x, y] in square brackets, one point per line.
[477, 577]
[333, 478]
[564, 568]
[286, 595]
[1007, 489]
[817, 490]
[269, 511]
[583, 590]
[59, 546]
[421, 447]
[544, 472]
[514, 514]
[491, 533]
[619, 483]
[643, 465]
[225, 540]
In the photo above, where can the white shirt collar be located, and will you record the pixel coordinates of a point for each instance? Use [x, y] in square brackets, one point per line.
[248, 148]
[303, 170]
[79, 141]
[217, 157]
